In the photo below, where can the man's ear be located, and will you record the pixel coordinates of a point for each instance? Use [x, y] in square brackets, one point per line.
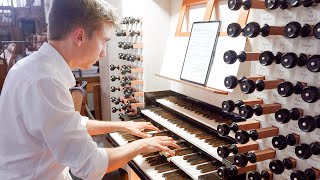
[79, 36]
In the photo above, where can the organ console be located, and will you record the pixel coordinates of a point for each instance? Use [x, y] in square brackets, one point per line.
[284, 115]
[231, 82]
[305, 151]
[246, 111]
[243, 137]
[278, 166]
[286, 89]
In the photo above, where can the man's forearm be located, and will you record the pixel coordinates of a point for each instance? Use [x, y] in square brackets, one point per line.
[120, 156]
[95, 127]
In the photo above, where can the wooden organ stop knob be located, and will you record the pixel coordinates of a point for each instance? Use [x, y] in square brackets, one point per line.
[309, 123]
[313, 63]
[133, 32]
[247, 112]
[224, 151]
[243, 137]
[231, 82]
[264, 175]
[316, 31]
[268, 84]
[253, 29]
[310, 174]
[310, 94]
[266, 58]
[114, 89]
[305, 151]
[253, 157]
[113, 67]
[275, 4]
[230, 172]
[278, 166]
[229, 105]
[246, 4]
[281, 142]
[248, 86]
[286, 89]
[230, 56]
[284, 115]
[295, 29]
[234, 30]
[114, 78]
[121, 33]
[224, 129]
[291, 60]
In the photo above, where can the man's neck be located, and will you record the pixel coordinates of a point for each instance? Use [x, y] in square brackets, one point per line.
[65, 51]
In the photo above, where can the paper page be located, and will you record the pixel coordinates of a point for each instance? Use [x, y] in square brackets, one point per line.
[199, 52]
[219, 69]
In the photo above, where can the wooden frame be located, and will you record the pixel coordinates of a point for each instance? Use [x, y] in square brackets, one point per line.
[185, 7]
[242, 19]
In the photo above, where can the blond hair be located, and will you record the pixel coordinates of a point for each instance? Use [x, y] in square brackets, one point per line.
[65, 15]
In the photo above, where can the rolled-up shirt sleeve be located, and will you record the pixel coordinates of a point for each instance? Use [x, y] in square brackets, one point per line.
[52, 118]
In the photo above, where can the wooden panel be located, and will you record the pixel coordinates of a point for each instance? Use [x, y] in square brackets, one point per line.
[136, 70]
[135, 82]
[216, 91]
[185, 7]
[97, 101]
[138, 46]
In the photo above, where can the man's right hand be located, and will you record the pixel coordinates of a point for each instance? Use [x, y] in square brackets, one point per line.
[157, 143]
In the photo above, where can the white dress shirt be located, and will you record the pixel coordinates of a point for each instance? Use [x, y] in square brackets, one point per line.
[40, 132]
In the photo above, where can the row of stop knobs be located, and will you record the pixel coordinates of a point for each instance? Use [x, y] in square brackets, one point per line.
[131, 32]
[248, 85]
[270, 4]
[248, 108]
[247, 151]
[291, 30]
[267, 58]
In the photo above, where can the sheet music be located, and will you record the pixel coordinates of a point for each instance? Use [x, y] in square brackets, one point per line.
[199, 52]
[219, 69]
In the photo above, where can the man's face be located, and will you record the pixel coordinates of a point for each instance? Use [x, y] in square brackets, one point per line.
[95, 48]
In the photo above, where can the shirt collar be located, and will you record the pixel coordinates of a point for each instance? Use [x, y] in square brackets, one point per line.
[59, 64]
